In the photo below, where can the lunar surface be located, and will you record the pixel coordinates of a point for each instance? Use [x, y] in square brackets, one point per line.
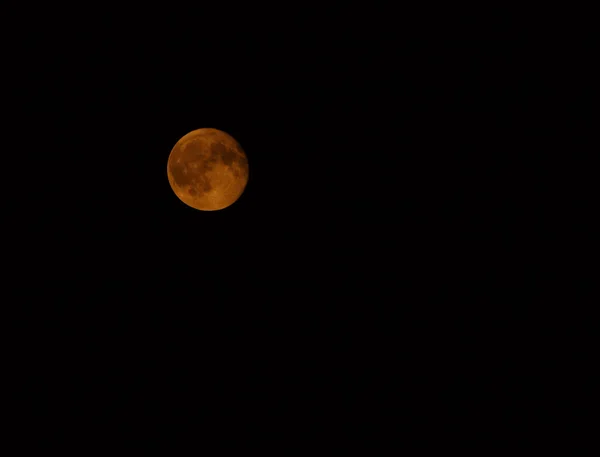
[207, 169]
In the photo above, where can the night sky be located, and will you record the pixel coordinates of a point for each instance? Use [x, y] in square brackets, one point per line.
[389, 218]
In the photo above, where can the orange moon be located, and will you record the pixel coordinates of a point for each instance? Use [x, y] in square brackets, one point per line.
[207, 169]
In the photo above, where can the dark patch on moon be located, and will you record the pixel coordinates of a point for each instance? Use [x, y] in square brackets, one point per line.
[229, 156]
[211, 160]
[226, 154]
[242, 162]
[217, 150]
[199, 186]
[179, 175]
[207, 165]
[202, 184]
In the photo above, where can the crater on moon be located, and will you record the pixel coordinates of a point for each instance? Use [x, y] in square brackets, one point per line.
[207, 169]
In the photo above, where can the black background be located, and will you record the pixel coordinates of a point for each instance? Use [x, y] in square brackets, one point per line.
[380, 272]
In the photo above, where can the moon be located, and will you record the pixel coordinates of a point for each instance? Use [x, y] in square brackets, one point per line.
[207, 169]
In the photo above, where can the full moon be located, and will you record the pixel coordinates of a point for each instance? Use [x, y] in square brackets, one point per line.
[207, 169]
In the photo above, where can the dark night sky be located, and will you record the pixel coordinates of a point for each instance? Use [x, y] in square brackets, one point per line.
[389, 218]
